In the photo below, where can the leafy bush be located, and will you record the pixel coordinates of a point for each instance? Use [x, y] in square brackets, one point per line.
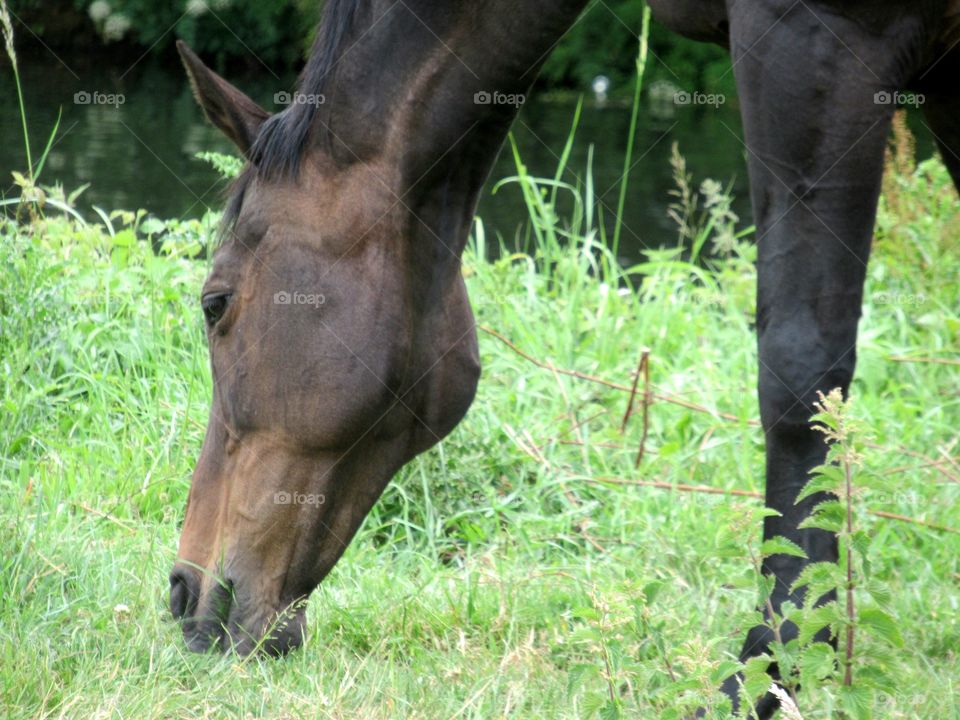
[279, 32]
[275, 32]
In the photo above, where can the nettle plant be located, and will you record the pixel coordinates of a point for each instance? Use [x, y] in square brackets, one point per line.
[843, 598]
[630, 663]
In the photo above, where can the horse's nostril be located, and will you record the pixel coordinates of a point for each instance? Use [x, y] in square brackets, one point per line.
[203, 617]
[183, 594]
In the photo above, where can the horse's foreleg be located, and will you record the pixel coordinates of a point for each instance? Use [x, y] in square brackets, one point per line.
[941, 108]
[815, 120]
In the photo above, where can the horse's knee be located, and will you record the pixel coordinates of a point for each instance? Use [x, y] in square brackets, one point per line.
[798, 361]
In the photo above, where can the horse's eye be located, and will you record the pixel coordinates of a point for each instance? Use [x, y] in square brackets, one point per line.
[214, 306]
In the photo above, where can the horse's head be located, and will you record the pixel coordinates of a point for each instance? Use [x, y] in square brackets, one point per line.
[341, 340]
[341, 345]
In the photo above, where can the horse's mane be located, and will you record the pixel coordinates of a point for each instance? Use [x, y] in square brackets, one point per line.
[280, 143]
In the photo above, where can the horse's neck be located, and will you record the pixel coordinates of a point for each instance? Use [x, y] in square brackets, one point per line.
[432, 89]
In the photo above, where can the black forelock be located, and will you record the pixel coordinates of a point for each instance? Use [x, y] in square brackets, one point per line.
[281, 141]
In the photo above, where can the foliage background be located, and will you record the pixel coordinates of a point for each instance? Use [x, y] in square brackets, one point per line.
[279, 32]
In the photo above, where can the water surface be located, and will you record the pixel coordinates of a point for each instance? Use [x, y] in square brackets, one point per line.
[138, 150]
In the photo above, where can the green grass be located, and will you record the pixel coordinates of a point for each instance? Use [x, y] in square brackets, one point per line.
[498, 576]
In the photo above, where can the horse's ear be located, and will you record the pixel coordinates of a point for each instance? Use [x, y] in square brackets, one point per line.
[234, 113]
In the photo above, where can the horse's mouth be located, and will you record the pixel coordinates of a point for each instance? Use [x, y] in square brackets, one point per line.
[220, 623]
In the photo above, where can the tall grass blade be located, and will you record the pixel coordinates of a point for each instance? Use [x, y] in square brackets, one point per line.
[106, 220]
[567, 148]
[7, 28]
[46, 150]
[632, 136]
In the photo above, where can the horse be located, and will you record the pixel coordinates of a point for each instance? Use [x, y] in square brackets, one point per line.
[341, 338]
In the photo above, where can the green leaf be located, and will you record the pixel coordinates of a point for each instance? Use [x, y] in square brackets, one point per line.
[152, 226]
[765, 586]
[229, 166]
[788, 610]
[725, 669]
[781, 546]
[730, 550]
[825, 419]
[585, 613]
[860, 542]
[829, 515]
[757, 664]
[585, 634]
[124, 238]
[651, 590]
[593, 703]
[816, 619]
[856, 701]
[755, 678]
[826, 478]
[610, 711]
[875, 677]
[878, 623]
[880, 593]
[681, 686]
[747, 579]
[820, 578]
[817, 662]
[786, 656]
[578, 674]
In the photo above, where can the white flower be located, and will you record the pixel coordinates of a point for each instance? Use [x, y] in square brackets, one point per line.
[116, 27]
[120, 611]
[195, 8]
[99, 11]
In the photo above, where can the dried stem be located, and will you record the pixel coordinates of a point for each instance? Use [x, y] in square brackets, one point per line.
[613, 385]
[633, 391]
[934, 361]
[535, 453]
[709, 490]
[647, 399]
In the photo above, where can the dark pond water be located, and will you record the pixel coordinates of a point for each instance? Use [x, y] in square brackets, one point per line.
[140, 154]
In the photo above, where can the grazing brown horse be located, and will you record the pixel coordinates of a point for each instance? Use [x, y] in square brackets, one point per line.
[342, 342]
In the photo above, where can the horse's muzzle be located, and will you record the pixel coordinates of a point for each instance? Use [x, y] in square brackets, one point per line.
[215, 621]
